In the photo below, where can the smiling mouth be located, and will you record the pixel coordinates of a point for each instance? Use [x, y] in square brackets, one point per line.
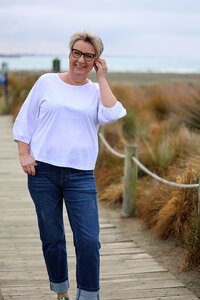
[80, 66]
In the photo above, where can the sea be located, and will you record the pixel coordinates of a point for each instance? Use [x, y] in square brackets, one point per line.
[115, 63]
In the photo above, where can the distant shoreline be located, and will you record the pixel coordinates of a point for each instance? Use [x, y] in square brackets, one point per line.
[123, 64]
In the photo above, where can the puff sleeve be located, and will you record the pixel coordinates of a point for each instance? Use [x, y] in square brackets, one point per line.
[27, 118]
[110, 114]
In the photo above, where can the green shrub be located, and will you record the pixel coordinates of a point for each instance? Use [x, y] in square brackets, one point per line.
[160, 155]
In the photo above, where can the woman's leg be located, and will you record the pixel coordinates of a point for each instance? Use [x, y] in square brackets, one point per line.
[81, 203]
[48, 199]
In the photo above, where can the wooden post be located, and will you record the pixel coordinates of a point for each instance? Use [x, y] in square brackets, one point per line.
[130, 182]
[199, 200]
[101, 144]
[4, 82]
[56, 65]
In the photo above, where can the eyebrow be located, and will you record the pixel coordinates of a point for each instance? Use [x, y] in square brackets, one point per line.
[83, 52]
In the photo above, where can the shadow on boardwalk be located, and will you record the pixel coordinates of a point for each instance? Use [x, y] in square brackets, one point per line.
[127, 271]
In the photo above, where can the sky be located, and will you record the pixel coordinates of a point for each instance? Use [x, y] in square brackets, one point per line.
[160, 28]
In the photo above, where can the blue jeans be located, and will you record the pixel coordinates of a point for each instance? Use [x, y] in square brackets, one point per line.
[48, 188]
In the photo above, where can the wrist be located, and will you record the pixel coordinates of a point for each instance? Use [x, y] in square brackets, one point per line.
[24, 153]
[102, 80]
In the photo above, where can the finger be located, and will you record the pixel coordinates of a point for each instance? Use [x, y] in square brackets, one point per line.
[103, 64]
[97, 62]
[95, 66]
[25, 169]
[101, 60]
[30, 169]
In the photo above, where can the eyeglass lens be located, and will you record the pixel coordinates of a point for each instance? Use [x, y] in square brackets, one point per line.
[87, 56]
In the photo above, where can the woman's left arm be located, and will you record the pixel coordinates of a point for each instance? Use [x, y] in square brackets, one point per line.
[107, 97]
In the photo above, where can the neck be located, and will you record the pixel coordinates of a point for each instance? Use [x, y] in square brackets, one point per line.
[75, 80]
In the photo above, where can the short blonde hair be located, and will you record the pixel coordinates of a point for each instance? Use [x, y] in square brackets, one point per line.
[87, 37]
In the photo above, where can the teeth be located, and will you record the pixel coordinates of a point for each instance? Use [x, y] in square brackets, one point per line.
[79, 66]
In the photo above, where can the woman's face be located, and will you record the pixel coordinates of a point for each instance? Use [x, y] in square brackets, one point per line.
[82, 58]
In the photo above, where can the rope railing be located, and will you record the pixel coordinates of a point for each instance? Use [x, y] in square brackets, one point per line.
[143, 168]
[175, 184]
[131, 165]
[109, 147]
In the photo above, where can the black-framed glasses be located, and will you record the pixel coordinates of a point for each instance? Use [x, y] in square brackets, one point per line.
[87, 56]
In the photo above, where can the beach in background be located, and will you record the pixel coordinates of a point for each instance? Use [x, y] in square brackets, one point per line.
[129, 70]
[143, 64]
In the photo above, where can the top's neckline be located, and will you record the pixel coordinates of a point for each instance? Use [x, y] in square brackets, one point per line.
[73, 85]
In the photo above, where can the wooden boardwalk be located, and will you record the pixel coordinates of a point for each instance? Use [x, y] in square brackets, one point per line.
[127, 272]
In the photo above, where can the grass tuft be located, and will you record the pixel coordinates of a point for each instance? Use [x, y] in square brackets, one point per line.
[180, 211]
[113, 192]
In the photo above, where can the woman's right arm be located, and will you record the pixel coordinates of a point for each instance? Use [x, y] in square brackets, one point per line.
[27, 162]
[25, 125]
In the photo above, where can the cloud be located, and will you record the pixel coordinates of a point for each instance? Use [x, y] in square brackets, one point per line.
[152, 27]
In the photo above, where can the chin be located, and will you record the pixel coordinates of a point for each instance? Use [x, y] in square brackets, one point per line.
[79, 72]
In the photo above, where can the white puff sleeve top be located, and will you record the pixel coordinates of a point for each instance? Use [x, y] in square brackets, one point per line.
[60, 122]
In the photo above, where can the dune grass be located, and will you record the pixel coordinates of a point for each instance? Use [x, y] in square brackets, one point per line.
[163, 120]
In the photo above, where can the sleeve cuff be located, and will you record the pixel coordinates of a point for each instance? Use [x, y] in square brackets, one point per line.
[111, 114]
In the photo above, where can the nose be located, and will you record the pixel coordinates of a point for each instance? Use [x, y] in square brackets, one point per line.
[81, 58]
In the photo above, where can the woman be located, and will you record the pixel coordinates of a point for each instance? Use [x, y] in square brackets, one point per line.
[56, 132]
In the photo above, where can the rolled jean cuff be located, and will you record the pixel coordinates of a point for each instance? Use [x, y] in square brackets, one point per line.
[60, 287]
[85, 295]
